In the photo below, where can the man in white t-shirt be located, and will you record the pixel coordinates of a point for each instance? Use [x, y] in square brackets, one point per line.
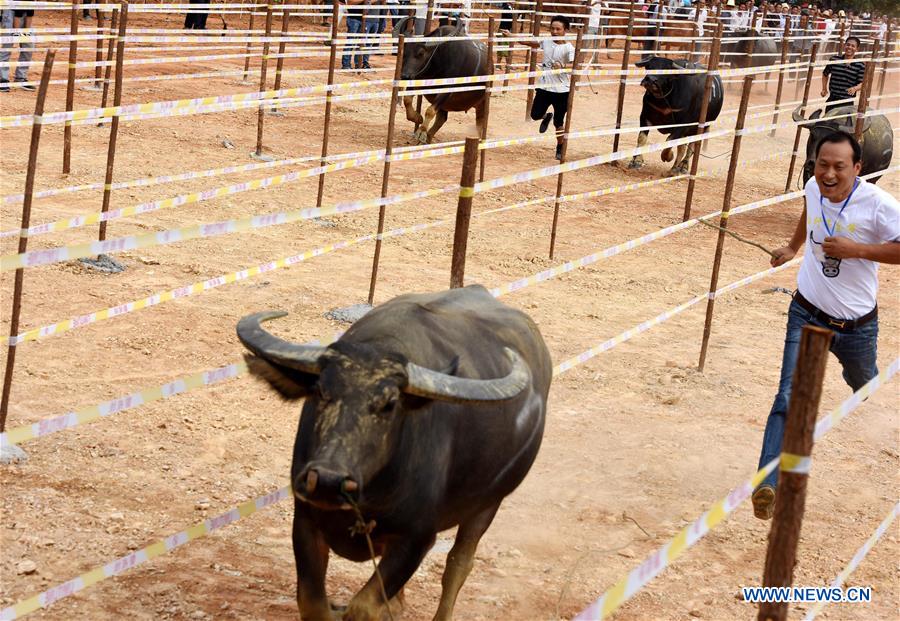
[553, 89]
[849, 227]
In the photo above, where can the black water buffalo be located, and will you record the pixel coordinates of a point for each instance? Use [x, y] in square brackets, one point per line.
[445, 59]
[417, 450]
[877, 139]
[674, 100]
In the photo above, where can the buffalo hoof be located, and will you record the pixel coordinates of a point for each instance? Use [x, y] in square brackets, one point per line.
[421, 136]
[635, 164]
[666, 155]
[673, 172]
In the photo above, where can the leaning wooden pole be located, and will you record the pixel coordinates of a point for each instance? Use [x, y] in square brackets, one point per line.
[23, 236]
[249, 44]
[887, 54]
[711, 74]
[487, 94]
[463, 213]
[282, 46]
[332, 58]
[110, 54]
[386, 173]
[620, 98]
[784, 536]
[864, 93]
[114, 124]
[532, 57]
[809, 77]
[570, 104]
[98, 75]
[780, 90]
[723, 220]
[261, 112]
[70, 87]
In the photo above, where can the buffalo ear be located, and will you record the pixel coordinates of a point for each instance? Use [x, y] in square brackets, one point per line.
[644, 61]
[289, 383]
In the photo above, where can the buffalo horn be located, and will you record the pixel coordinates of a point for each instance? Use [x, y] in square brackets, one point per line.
[435, 385]
[300, 357]
[796, 115]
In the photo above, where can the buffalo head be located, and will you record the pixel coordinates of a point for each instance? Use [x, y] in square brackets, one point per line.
[418, 56]
[358, 398]
[658, 86]
[842, 119]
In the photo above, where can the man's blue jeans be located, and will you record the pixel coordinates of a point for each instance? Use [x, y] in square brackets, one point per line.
[354, 26]
[856, 350]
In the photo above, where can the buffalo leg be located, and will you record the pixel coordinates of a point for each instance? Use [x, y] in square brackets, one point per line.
[460, 560]
[411, 114]
[422, 133]
[311, 558]
[638, 160]
[396, 567]
[481, 119]
[439, 119]
[679, 166]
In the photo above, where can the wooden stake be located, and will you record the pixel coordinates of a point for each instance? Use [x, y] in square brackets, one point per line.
[260, 115]
[114, 125]
[806, 393]
[110, 52]
[784, 49]
[282, 45]
[704, 110]
[463, 214]
[809, 77]
[23, 238]
[247, 50]
[803, 23]
[487, 93]
[659, 25]
[573, 81]
[887, 53]
[386, 174]
[332, 57]
[532, 57]
[429, 15]
[97, 70]
[864, 93]
[70, 87]
[620, 101]
[723, 220]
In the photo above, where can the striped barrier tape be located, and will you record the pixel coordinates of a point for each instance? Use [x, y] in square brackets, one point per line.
[856, 560]
[129, 561]
[212, 229]
[134, 559]
[798, 464]
[639, 577]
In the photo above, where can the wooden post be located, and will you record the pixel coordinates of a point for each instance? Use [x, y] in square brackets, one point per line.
[887, 53]
[809, 77]
[723, 220]
[332, 56]
[463, 213]
[803, 23]
[487, 93]
[247, 50]
[711, 73]
[573, 82]
[864, 93]
[114, 125]
[695, 31]
[99, 59]
[260, 115]
[532, 58]
[787, 33]
[282, 45]
[806, 393]
[110, 51]
[429, 15]
[23, 238]
[620, 101]
[386, 174]
[70, 87]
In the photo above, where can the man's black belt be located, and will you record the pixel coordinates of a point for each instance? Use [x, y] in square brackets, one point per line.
[841, 325]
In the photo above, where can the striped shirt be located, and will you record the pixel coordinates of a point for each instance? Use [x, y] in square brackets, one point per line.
[843, 76]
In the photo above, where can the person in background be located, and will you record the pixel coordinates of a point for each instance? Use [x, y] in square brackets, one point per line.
[843, 80]
[504, 51]
[553, 89]
[196, 20]
[849, 226]
[16, 18]
[597, 22]
[355, 26]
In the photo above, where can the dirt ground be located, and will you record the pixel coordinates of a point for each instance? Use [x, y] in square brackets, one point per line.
[638, 442]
